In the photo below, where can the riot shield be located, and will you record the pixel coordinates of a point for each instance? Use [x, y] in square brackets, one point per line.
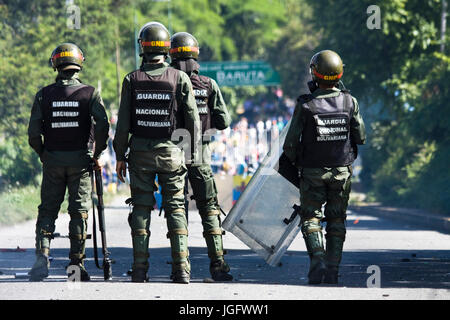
[265, 215]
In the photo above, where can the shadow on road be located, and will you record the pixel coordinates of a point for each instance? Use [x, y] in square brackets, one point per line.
[403, 218]
[399, 268]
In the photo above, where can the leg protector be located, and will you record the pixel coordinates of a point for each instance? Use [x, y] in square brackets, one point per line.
[45, 226]
[212, 232]
[178, 236]
[335, 237]
[312, 233]
[139, 221]
[77, 235]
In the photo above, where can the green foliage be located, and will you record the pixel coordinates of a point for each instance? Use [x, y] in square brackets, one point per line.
[19, 163]
[19, 204]
[409, 28]
[253, 25]
[291, 51]
[399, 69]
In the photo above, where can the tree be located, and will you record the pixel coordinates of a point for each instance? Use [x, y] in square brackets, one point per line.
[25, 48]
[398, 74]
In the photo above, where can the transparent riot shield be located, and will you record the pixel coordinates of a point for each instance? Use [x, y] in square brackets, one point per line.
[265, 215]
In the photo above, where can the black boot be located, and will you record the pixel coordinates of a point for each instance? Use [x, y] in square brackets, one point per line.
[139, 275]
[40, 268]
[331, 275]
[84, 276]
[335, 243]
[316, 273]
[219, 271]
[180, 276]
[312, 233]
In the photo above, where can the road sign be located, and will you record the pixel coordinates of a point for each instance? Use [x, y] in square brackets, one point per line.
[240, 73]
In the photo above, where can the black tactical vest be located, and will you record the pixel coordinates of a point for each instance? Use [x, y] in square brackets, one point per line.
[67, 120]
[326, 140]
[202, 90]
[154, 109]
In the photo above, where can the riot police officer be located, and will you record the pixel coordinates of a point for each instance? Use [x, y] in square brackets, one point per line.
[64, 114]
[322, 142]
[156, 100]
[213, 115]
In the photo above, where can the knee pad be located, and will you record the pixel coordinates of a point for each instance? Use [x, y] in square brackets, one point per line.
[213, 232]
[310, 225]
[45, 223]
[78, 215]
[204, 189]
[312, 234]
[139, 218]
[176, 219]
[211, 219]
[176, 232]
[78, 224]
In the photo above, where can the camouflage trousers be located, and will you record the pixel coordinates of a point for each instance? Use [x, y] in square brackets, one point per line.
[329, 186]
[55, 181]
[168, 164]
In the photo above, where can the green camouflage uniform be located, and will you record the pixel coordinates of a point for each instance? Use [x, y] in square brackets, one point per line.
[66, 169]
[318, 186]
[162, 157]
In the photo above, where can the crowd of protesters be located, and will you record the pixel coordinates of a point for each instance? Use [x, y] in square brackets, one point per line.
[241, 148]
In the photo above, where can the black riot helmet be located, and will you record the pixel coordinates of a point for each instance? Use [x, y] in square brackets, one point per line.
[154, 38]
[326, 67]
[183, 45]
[67, 56]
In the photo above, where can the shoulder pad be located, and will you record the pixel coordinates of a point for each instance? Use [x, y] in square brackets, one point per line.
[86, 85]
[205, 79]
[133, 73]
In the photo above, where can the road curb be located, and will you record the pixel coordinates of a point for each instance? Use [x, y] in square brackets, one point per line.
[413, 216]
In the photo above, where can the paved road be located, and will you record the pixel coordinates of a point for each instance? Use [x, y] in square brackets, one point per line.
[414, 264]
